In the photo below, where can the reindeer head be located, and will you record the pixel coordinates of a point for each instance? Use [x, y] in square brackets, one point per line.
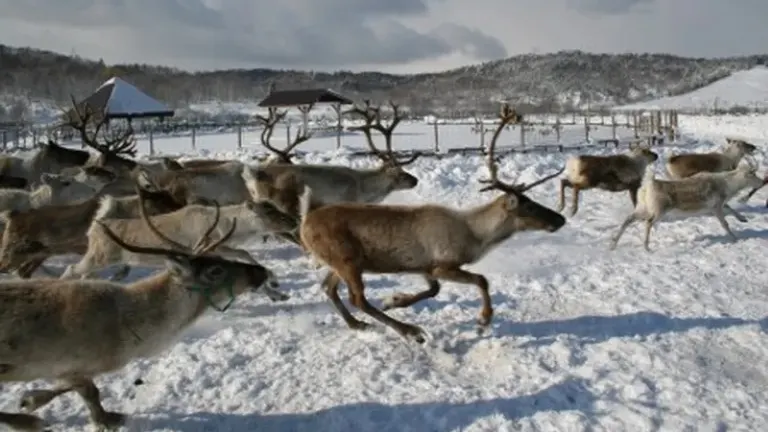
[64, 190]
[273, 219]
[645, 154]
[737, 146]
[215, 279]
[520, 213]
[391, 166]
[747, 174]
[93, 176]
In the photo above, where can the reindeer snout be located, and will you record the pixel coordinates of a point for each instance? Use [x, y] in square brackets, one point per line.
[557, 222]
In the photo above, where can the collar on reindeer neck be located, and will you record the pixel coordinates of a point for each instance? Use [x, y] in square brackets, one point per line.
[208, 291]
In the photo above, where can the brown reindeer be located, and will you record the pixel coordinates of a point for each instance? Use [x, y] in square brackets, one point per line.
[431, 240]
[614, 173]
[30, 237]
[73, 331]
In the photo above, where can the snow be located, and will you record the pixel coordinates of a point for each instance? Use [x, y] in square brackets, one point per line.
[583, 339]
[126, 99]
[747, 88]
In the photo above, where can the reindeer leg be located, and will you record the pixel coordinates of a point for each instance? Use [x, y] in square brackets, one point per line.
[32, 400]
[462, 276]
[23, 422]
[718, 211]
[740, 217]
[564, 183]
[401, 300]
[575, 200]
[633, 195]
[331, 286]
[90, 394]
[746, 197]
[354, 280]
[649, 223]
[632, 218]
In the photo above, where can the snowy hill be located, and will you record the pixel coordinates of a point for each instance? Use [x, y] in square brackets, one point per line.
[747, 89]
[547, 82]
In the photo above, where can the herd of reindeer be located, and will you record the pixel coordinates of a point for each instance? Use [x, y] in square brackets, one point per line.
[192, 219]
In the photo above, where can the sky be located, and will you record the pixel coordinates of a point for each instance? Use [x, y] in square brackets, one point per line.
[397, 36]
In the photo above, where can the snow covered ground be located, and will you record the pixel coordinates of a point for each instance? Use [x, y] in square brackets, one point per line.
[583, 339]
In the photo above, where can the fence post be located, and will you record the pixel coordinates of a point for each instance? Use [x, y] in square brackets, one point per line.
[194, 137]
[482, 135]
[522, 133]
[437, 138]
[586, 128]
[613, 126]
[151, 141]
[557, 128]
[239, 137]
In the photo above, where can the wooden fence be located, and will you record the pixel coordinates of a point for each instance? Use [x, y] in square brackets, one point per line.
[536, 133]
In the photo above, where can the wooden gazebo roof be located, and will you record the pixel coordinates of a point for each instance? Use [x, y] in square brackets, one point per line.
[284, 98]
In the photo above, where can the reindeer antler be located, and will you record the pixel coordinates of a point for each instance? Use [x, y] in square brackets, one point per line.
[203, 246]
[274, 116]
[120, 143]
[507, 116]
[372, 116]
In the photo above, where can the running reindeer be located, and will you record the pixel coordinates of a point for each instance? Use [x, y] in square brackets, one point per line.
[73, 331]
[284, 183]
[431, 240]
[705, 191]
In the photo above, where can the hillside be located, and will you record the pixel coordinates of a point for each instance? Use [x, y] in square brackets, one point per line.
[563, 80]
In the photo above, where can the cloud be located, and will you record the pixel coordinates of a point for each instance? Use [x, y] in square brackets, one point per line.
[253, 33]
[387, 35]
[607, 7]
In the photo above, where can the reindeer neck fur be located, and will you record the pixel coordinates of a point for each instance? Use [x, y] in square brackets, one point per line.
[488, 223]
[375, 185]
[41, 196]
[734, 155]
[155, 311]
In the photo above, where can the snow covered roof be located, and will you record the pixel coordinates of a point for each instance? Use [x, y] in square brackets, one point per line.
[747, 88]
[117, 98]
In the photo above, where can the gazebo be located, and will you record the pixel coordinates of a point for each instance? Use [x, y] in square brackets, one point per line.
[118, 99]
[304, 100]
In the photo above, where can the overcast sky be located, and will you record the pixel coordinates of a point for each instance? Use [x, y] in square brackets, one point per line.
[385, 35]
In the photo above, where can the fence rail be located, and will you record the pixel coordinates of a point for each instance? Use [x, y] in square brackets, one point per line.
[536, 133]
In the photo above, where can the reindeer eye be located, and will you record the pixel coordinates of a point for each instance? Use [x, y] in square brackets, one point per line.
[215, 272]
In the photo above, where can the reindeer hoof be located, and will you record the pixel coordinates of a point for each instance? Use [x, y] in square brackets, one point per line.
[359, 325]
[394, 301]
[31, 400]
[415, 333]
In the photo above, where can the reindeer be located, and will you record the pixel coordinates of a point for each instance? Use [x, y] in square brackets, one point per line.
[112, 146]
[222, 183]
[431, 240]
[34, 235]
[614, 173]
[73, 331]
[254, 218]
[687, 164]
[284, 183]
[704, 191]
[49, 158]
[54, 190]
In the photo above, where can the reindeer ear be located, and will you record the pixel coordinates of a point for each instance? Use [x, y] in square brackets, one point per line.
[511, 202]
